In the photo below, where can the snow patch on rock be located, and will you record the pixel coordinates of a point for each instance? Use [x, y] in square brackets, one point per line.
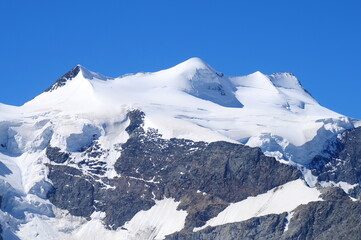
[157, 222]
[281, 199]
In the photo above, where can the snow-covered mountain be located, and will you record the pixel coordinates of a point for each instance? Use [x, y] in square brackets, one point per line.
[193, 101]
[147, 155]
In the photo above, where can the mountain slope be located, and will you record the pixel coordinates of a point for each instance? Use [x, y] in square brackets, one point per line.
[145, 155]
[202, 103]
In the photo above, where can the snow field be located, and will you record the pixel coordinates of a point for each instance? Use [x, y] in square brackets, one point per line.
[281, 199]
[190, 100]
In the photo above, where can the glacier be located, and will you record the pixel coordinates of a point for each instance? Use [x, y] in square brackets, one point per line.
[188, 101]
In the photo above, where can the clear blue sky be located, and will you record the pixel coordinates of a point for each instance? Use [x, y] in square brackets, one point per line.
[318, 41]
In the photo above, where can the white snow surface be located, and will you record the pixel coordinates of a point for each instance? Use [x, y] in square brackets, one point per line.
[162, 219]
[289, 217]
[190, 100]
[281, 199]
[193, 101]
[154, 224]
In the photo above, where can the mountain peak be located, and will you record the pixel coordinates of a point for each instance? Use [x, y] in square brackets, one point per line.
[191, 66]
[195, 62]
[259, 75]
[66, 77]
[72, 74]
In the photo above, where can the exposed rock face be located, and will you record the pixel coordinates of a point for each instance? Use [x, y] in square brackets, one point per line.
[71, 190]
[333, 194]
[336, 218]
[222, 169]
[341, 161]
[262, 228]
[55, 155]
[204, 177]
[62, 81]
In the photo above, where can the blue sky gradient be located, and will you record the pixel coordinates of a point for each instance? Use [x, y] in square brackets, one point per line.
[318, 41]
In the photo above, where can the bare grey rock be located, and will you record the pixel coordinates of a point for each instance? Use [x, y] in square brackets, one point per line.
[71, 190]
[332, 219]
[261, 228]
[338, 219]
[55, 155]
[66, 77]
[153, 167]
[334, 194]
[341, 161]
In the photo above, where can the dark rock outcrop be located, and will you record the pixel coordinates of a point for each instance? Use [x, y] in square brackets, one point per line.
[336, 218]
[66, 77]
[82, 194]
[334, 194]
[55, 155]
[326, 220]
[71, 190]
[204, 177]
[261, 228]
[223, 171]
[341, 161]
